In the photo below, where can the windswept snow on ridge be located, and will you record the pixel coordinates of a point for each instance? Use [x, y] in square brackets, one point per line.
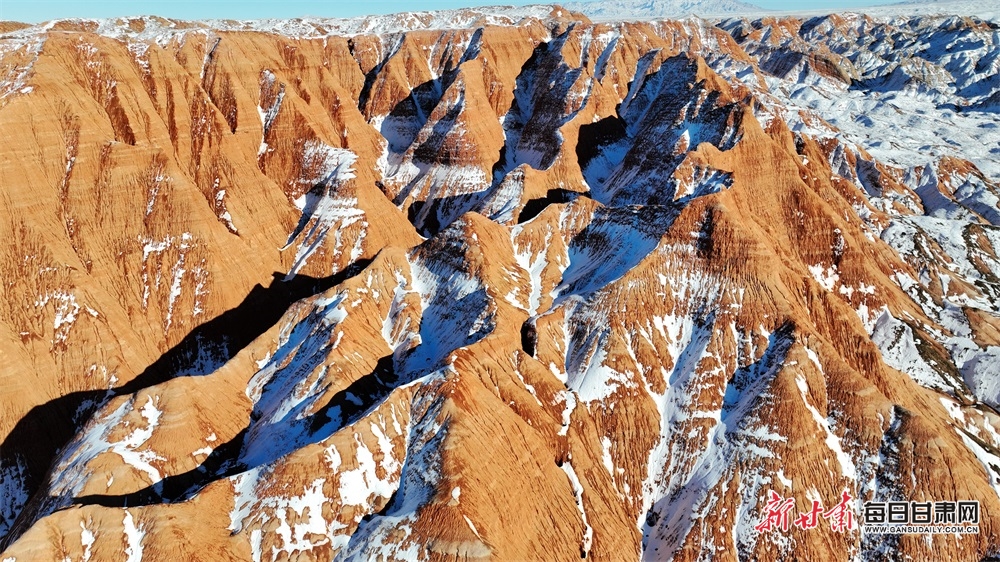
[847, 467]
[390, 533]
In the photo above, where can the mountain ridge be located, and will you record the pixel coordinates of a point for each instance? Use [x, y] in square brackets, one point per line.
[565, 289]
[643, 9]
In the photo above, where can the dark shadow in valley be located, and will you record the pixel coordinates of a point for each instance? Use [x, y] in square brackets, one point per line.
[595, 137]
[531, 137]
[424, 97]
[403, 126]
[631, 158]
[434, 212]
[355, 401]
[428, 224]
[534, 207]
[529, 337]
[434, 215]
[616, 240]
[345, 408]
[35, 441]
[539, 108]
[180, 487]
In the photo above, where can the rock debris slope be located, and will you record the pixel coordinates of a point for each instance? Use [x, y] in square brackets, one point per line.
[495, 284]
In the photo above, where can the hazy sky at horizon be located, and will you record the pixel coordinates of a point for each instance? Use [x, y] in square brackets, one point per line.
[42, 10]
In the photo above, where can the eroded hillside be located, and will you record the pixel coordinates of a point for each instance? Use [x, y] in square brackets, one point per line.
[507, 285]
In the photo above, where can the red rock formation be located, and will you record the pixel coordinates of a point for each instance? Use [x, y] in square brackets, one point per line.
[544, 291]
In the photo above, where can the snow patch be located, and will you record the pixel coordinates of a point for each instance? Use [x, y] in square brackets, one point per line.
[588, 531]
[847, 468]
[133, 538]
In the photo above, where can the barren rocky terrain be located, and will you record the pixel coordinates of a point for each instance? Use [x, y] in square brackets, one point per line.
[495, 284]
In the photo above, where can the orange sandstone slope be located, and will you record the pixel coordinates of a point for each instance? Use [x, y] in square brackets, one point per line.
[488, 285]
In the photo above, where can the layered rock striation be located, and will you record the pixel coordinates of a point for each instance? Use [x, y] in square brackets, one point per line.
[495, 284]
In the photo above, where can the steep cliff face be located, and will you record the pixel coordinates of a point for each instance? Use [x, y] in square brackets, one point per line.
[443, 286]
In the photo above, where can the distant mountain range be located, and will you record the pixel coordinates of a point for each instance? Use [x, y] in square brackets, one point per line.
[641, 9]
[645, 9]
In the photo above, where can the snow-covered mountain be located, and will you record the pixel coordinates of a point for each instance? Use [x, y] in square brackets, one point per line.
[630, 10]
[497, 284]
[911, 8]
[633, 10]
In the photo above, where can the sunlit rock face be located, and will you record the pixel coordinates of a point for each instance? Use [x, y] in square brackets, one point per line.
[505, 284]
